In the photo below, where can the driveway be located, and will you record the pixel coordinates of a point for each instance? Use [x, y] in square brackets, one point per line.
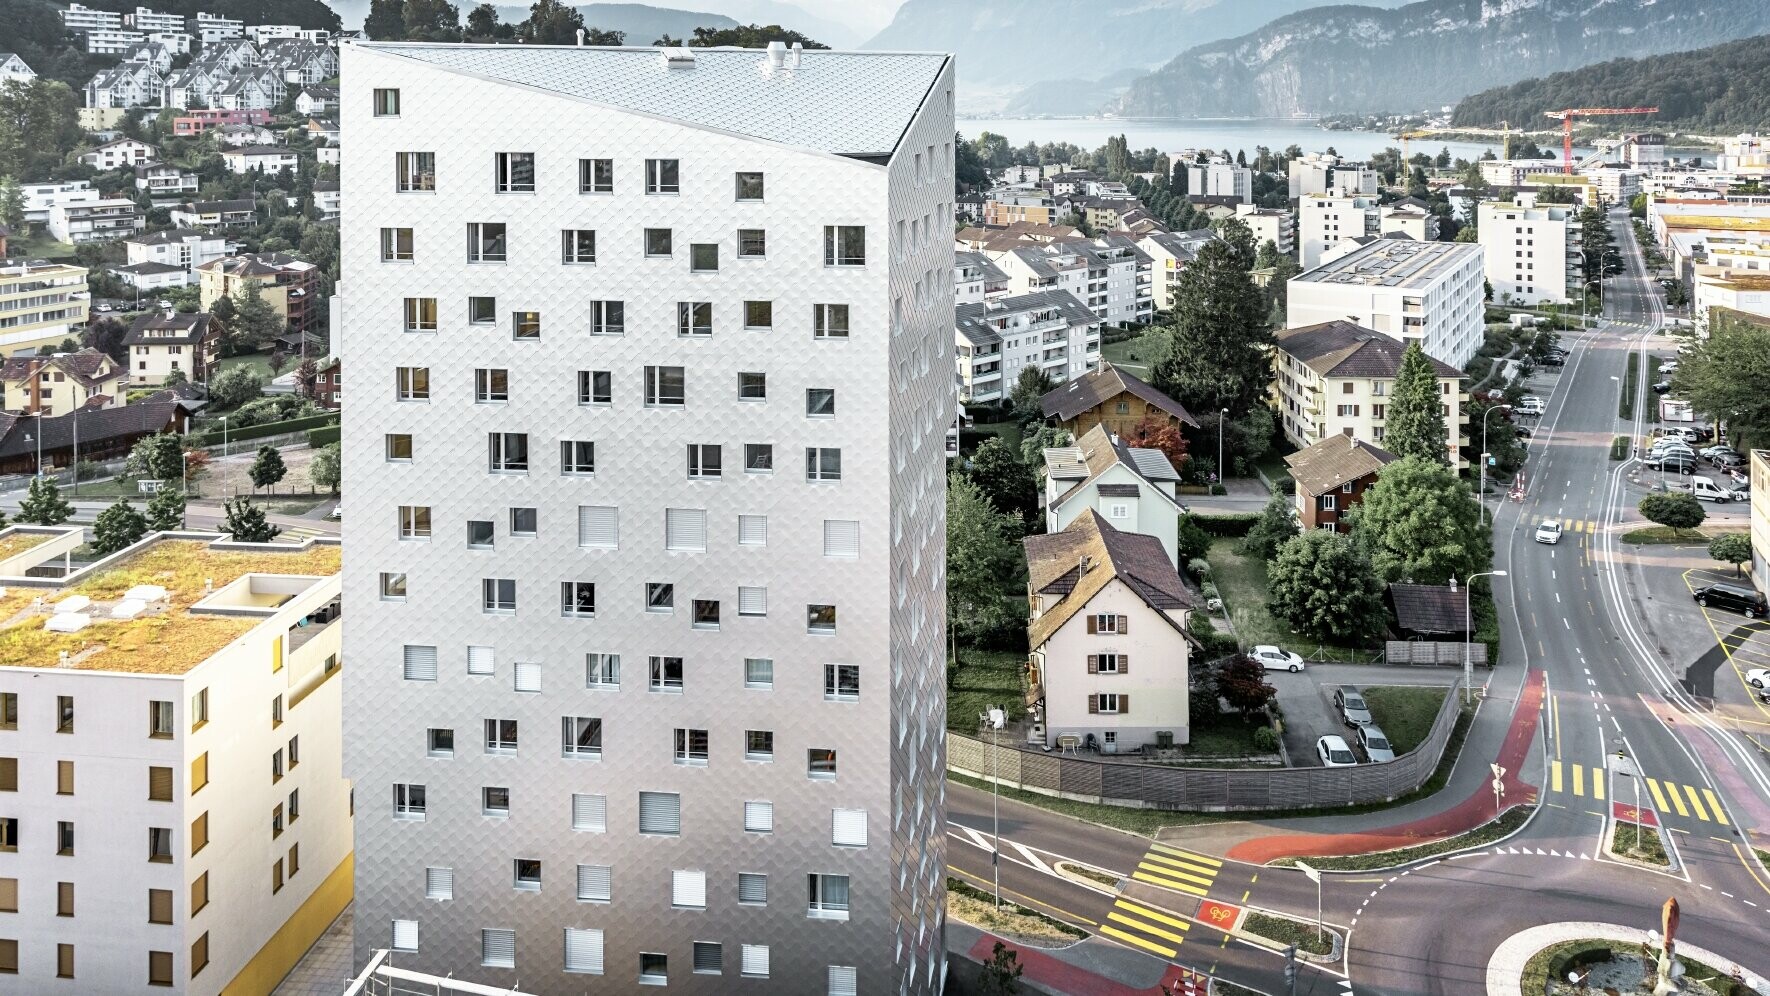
[1307, 699]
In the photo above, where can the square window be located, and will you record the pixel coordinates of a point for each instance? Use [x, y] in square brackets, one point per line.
[829, 321]
[666, 674]
[399, 447]
[479, 534]
[820, 402]
[494, 801]
[577, 456]
[482, 311]
[608, 318]
[749, 186]
[515, 172]
[594, 883]
[439, 883]
[752, 530]
[497, 948]
[752, 386]
[705, 461]
[577, 599]
[841, 538]
[706, 613]
[508, 452]
[703, 257]
[393, 586]
[758, 458]
[580, 737]
[752, 243]
[386, 102]
[596, 387]
[752, 889]
[602, 670]
[842, 682]
[665, 387]
[752, 601]
[439, 742]
[414, 171]
[820, 763]
[758, 745]
[396, 245]
[660, 597]
[691, 746]
[502, 736]
[758, 672]
[660, 814]
[405, 935]
[487, 242]
[414, 522]
[491, 386]
[526, 874]
[654, 969]
[596, 176]
[663, 176]
[658, 242]
[823, 463]
[694, 319]
[412, 383]
[525, 326]
[498, 596]
[755, 961]
[758, 315]
[828, 897]
[577, 245]
[845, 245]
[709, 958]
[526, 676]
[522, 521]
[408, 801]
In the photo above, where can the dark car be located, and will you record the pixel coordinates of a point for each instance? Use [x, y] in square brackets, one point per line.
[1675, 462]
[1662, 387]
[1738, 597]
[1554, 360]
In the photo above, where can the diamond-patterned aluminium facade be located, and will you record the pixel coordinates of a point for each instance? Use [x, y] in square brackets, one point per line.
[893, 402]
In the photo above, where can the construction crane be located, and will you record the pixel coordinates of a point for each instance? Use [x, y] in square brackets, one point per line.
[1566, 117]
[1506, 140]
[1407, 169]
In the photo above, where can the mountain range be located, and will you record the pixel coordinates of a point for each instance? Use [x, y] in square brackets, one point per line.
[1363, 59]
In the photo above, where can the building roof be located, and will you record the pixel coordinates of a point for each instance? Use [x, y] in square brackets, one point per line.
[168, 236]
[848, 103]
[972, 320]
[84, 366]
[259, 150]
[1403, 263]
[1097, 452]
[986, 267]
[1098, 386]
[1428, 608]
[1083, 559]
[1336, 460]
[263, 264]
[1182, 245]
[1344, 349]
[174, 329]
[221, 207]
[96, 426]
[147, 269]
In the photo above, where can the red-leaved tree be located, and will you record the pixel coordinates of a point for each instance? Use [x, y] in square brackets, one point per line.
[1155, 432]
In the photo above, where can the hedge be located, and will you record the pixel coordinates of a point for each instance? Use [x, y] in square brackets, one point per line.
[317, 438]
[1232, 524]
[213, 437]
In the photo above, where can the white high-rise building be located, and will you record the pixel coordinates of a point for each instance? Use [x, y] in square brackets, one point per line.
[1220, 178]
[1430, 291]
[654, 366]
[1530, 254]
[1323, 220]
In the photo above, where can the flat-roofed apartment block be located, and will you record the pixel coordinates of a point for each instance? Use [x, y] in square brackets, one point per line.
[653, 363]
[1430, 291]
[172, 817]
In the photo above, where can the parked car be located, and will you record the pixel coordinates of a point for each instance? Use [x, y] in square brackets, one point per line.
[1549, 531]
[1675, 462]
[1554, 360]
[1530, 404]
[1273, 659]
[1758, 677]
[1350, 703]
[1662, 387]
[1711, 452]
[1741, 598]
[1669, 444]
[1375, 743]
[1333, 752]
[1727, 460]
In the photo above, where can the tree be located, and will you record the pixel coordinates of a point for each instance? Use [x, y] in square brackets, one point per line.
[235, 386]
[106, 336]
[1276, 525]
[1420, 523]
[553, 23]
[1001, 974]
[1192, 542]
[1215, 350]
[1242, 682]
[1156, 432]
[174, 378]
[255, 321]
[1037, 439]
[1599, 256]
[1032, 384]
[277, 361]
[749, 36]
[980, 556]
[1005, 481]
[1416, 411]
[117, 527]
[307, 375]
[327, 468]
[43, 504]
[1239, 238]
[1732, 548]
[969, 171]
[12, 204]
[267, 468]
[246, 521]
[1322, 583]
[1729, 372]
[386, 20]
[165, 510]
[482, 22]
[159, 457]
[1674, 510]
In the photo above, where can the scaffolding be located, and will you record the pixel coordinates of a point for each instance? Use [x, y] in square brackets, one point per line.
[378, 978]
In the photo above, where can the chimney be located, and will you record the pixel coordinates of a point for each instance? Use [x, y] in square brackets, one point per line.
[798, 54]
[580, 37]
[777, 54]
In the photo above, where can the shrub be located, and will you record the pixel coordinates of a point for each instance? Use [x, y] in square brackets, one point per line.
[1192, 542]
[1199, 568]
[86, 470]
[1266, 739]
[1208, 589]
[325, 436]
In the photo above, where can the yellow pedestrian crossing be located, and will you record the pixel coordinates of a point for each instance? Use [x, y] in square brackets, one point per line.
[1669, 798]
[1579, 525]
[1145, 928]
[1173, 868]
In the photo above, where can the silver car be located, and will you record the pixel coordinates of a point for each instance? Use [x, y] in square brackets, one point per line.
[1350, 703]
[1375, 743]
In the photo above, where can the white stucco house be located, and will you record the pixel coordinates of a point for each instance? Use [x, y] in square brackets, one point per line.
[1130, 487]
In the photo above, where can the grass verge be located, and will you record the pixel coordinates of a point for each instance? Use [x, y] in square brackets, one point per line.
[1083, 871]
[1284, 930]
[1624, 843]
[1664, 534]
[1652, 378]
[986, 678]
[1405, 712]
[1625, 406]
[1619, 448]
[1496, 829]
[1536, 971]
[1016, 923]
[1007, 431]
[1241, 582]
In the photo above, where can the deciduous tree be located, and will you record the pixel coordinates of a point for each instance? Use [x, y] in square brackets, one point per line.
[1323, 584]
[1674, 510]
[1005, 481]
[1242, 683]
[1729, 374]
[235, 386]
[327, 468]
[1156, 432]
[980, 556]
[158, 457]
[1276, 525]
[1421, 523]
[117, 527]
[1731, 548]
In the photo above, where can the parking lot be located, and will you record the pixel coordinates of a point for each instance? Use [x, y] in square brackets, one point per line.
[1744, 644]
[1307, 701]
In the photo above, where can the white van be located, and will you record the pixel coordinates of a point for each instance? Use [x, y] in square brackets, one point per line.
[1706, 489]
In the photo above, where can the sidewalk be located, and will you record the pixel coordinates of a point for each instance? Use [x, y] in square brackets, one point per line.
[1093, 967]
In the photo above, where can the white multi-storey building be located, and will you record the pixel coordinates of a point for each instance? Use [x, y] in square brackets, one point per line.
[1270, 225]
[172, 814]
[1219, 178]
[210, 28]
[976, 278]
[999, 337]
[112, 41]
[1323, 220]
[40, 197]
[185, 248]
[1168, 253]
[145, 19]
[1530, 254]
[1430, 291]
[1109, 274]
[651, 715]
[76, 17]
[1319, 173]
[95, 221]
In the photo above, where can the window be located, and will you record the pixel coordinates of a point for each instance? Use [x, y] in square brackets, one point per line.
[479, 661]
[525, 325]
[8, 710]
[709, 958]
[752, 601]
[159, 720]
[64, 714]
[276, 712]
[820, 763]
[657, 242]
[583, 950]
[706, 613]
[665, 387]
[845, 245]
[694, 318]
[386, 103]
[752, 889]
[660, 813]
[758, 315]
[820, 402]
[577, 245]
[688, 890]
[685, 529]
[580, 737]
[439, 742]
[758, 672]
[494, 800]
[414, 171]
[396, 245]
[1107, 703]
[758, 458]
[654, 969]
[666, 674]
[590, 813]
[64, 778]
[577, 456]
[160, 844]
[749, 186]
[608, 318]
[829, 897]
[501, 736]
[599, 526]
[662, 176]
[596, 176]
[199, 893]
[705, 461]
[486, 242]
[823, 463]
[602, 670]
[1108, 664]
[64, 838]
[160, 906]
[482, 311]
[276, 820]
[8, 774]
[1106, 622]
[820, 618]
[691, 746]
[491, 386]
[661, 596]
[526, 874]
[526, 676]
[1329, 502]
[399, 447]
[480, 534]
[412, 383]
[199, 709]
[842, 682]
[841, 538]
[752, 386]
[439, 883]
[276, 765]
[848, 827]
[523, 521]
[405, 935]
[199, 772]
[829, 321]
[577, 599]
[497, 948]
[843, 981]
[294, 752]
[752, 243]
[414, 522]
[758, 745]
[498, 596]
[703, 257]
[508, 452]
[64, 899]
[752, 530]
[515, 172]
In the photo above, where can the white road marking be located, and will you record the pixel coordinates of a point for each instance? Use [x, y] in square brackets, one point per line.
[1564, 621]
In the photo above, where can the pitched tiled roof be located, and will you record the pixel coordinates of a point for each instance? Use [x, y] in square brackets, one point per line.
[1343, 349]
[177, 329]
[1428, 608]
[96, 426]
[1097, 386]
[1334, 461]
[1096, 453]
[1055, 565]
[84, 366]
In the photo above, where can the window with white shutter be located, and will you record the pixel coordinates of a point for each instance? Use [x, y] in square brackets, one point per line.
[752, 530]
[599, 526]
[755, 964]
[843, 981]
[841, 538]
[752, 601]
[583, 950]
[420, 663]
[595, 883]
[688, 889]
[528, 676]
[497, 948]
[660, 813]
[848, 827]
[439, 883]
[590, 813]
[405, 935]
[685, 529]
[709, 958]
[759, 817]
[753, 888]
[479, 660]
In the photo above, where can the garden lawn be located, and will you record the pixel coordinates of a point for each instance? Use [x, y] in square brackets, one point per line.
[1230, 736]
[259, 362]
[1666, 534]
[1132, 354]
[1405, 712]
[986, 678]
[1241, 582]
[1008, 431]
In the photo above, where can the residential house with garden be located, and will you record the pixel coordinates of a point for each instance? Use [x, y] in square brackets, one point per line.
[1332, 476]
[236, 213]
[1132, 488]
[260, 158]
[291, 285]
[1110, 649]
[120, 154]
[1113, 398]
[160, 342]
[183, 248]
[58, 383]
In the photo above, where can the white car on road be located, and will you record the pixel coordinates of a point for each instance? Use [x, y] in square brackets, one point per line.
[1273, 659]
[1759, 678]
[1333, 752]
[1549, 531]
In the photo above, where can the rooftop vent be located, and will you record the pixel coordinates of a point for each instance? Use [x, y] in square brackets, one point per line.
[678, 57]
[798, 56]
[777, 54]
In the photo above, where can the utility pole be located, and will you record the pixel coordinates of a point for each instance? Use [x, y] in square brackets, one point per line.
[1290, 970]
[1314, 875]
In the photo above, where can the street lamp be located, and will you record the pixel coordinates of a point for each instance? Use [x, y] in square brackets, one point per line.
[997, 719]
[1482, 494]
[1469, 631]
[1625, 765]
[1222, 416]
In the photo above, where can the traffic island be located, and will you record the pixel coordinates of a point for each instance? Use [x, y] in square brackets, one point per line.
[1638, 844]
[1618, 958]
[1088, 875]
[1010, 921]
[1321, 947]
[1493, 831]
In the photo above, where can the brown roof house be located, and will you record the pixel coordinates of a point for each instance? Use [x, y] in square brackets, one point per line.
[87, 434]
[161, 342]
[1110, 397]
[1132, 487]
[1110, 647]
[58, 383]
[1332, 476]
